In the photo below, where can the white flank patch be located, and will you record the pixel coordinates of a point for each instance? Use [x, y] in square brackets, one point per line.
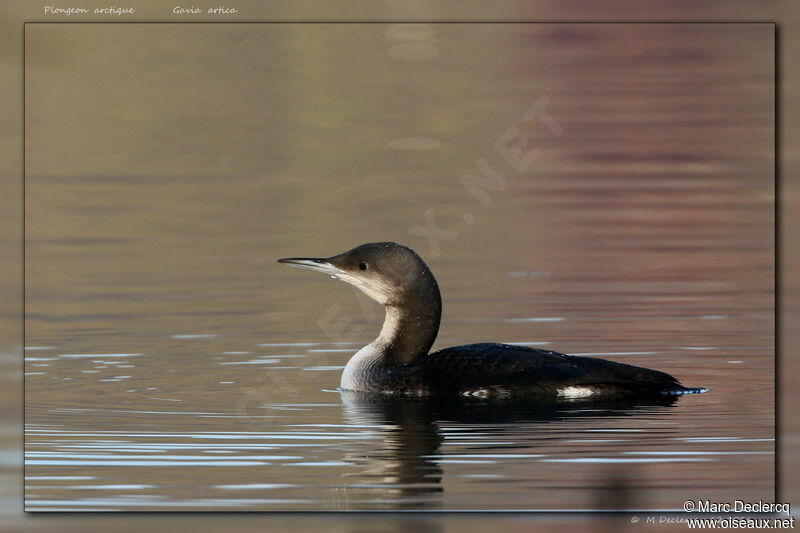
[479, 393]
[576, 392]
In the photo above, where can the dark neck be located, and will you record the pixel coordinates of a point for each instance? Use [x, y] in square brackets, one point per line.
[411, 325]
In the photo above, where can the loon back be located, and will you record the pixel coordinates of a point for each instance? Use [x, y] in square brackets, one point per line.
[489, 369]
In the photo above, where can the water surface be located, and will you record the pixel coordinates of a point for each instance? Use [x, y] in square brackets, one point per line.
[171, 364]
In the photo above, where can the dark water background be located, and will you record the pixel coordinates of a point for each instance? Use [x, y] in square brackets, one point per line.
[171, 364]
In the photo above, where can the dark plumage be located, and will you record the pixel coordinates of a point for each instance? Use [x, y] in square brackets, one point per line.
[509, 369]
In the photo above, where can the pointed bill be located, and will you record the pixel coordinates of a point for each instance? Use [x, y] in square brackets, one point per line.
[308, 263]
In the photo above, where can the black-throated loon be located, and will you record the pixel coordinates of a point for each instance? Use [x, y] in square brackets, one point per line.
[398, 361]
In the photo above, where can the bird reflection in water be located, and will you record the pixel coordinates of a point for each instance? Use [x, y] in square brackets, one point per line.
[405, 464]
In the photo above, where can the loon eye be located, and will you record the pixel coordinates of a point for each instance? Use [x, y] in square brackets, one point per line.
[362, 265]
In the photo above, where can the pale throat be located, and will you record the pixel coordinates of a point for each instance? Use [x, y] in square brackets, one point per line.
[408, 332]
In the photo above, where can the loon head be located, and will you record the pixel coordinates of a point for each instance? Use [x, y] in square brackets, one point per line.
[389, 273]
